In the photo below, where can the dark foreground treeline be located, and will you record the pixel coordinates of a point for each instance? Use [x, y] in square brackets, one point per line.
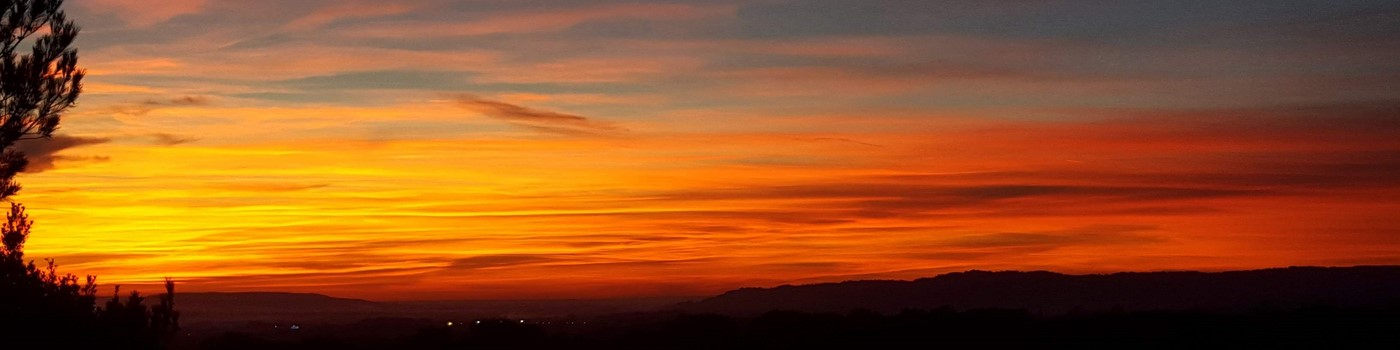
[1311, 327]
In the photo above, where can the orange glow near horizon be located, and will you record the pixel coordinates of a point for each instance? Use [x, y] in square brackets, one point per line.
[377, 151]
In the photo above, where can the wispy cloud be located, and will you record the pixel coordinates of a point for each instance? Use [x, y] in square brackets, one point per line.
[165, 139]
[537, 119]
[179, 101]
[144, 13]
[346, 11]
[146, 106]
[43, 153]
[545, 20]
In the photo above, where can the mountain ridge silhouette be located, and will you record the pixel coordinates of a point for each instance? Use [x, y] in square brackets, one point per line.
[1050, 292]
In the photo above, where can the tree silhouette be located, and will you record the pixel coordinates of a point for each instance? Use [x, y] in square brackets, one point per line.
[35, 87]
[39, 81]
[164, 318]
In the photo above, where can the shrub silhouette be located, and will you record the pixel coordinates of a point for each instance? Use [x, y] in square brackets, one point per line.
[39, 306]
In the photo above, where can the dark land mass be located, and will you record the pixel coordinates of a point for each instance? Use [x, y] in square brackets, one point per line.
[224, 310]
[1296, 307]
[1054, 293]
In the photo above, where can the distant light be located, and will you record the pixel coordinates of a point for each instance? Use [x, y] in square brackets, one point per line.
[478, 322]
[449, 323]
[522, 321]
[296, 327]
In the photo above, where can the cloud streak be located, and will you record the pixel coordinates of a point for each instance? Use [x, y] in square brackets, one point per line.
[536, 119]
[145, 13]
[165, 139]
[547, 20]
[43, 154]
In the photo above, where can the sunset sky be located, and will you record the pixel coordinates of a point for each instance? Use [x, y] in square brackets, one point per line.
[438, 149]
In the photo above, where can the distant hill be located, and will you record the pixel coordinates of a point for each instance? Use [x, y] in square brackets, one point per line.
[270, 300]
[1040, 291]
[216, 308]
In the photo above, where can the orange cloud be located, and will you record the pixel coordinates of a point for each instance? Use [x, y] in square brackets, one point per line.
[344, 11]
[545, 20]
[141, 13]
[500, 216]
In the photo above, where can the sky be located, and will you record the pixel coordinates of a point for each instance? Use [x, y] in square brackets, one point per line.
[435, 149]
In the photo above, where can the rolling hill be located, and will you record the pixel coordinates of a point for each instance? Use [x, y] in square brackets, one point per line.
[1048, 292]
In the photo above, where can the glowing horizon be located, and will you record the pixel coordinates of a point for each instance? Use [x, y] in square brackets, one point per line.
[430, 149]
